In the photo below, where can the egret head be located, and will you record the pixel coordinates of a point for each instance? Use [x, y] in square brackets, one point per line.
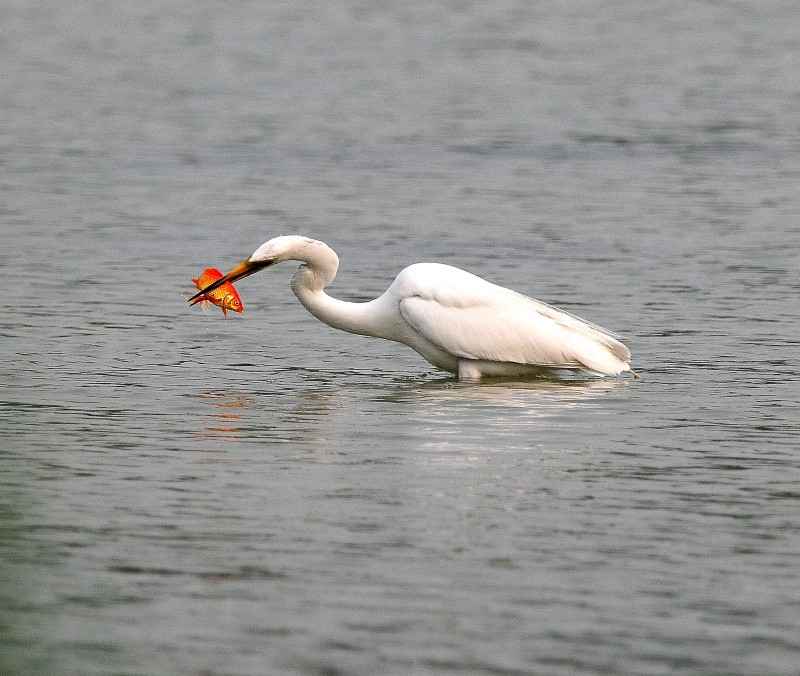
[276, 250]
[279, 249]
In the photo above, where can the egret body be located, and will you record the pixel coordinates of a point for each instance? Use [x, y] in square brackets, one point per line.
[459, 322]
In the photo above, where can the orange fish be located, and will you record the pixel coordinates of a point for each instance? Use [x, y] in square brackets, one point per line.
[224, 296]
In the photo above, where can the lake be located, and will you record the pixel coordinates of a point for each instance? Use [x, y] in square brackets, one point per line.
[264, 495]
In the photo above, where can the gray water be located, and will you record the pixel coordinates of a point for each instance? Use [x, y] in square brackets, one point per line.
[265, 495]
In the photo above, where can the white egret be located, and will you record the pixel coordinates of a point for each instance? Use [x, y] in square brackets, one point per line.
[459, 322]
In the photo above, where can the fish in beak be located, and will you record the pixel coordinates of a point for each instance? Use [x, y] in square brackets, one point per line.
[244, 269]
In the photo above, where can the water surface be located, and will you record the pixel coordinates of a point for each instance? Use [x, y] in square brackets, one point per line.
[183, 494]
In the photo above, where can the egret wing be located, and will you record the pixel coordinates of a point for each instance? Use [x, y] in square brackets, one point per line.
[474, 319]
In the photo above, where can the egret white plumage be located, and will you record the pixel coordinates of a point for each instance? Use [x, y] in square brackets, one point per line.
[459, 322]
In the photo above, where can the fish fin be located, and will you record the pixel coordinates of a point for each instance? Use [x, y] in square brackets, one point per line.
[224, 313]
[195, 281]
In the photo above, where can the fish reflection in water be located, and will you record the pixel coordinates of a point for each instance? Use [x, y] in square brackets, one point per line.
[225, 421]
